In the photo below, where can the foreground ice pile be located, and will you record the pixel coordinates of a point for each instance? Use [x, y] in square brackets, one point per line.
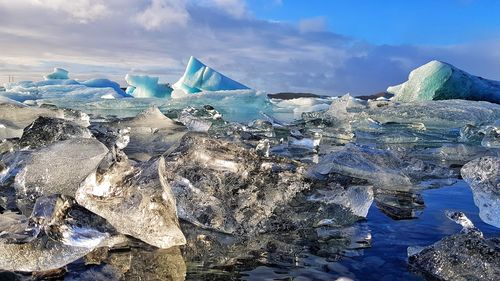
[439, 81]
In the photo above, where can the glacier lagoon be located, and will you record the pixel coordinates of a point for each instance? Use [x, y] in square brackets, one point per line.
[102, 184]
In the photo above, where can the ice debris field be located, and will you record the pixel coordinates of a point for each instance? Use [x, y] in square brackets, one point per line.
[206, 178]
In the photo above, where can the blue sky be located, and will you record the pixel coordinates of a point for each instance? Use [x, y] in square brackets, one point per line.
[326, 47]
[393, 21]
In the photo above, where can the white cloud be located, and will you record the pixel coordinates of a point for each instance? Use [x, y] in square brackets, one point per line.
[236, 8]
[81, 10]
[163, 13]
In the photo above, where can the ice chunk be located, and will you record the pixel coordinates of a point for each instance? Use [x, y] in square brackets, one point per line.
[382, 168]
[136, 200]
[64, 232]
[15, 117]
[46, 130]
[56, 169]
[399, 204]
[225, 187]
[143, 86]
[483, 176]
[358, 199]
[199, 77]
[439, 81]
[58, 73]
[464, 256]
[151, 133]
[199, 120]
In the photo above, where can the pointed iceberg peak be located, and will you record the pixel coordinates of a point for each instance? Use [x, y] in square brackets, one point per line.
[437, 80]
[199, 77]
[58, 73]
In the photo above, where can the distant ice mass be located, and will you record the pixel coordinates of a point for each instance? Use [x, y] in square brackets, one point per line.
[438, 80]
[143, 86]
[58, 85]
[59, 73]
[198, 77]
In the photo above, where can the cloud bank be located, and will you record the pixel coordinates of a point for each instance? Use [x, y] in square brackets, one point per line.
[110, 38]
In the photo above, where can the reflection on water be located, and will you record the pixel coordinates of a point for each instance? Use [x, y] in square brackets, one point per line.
[381, 257]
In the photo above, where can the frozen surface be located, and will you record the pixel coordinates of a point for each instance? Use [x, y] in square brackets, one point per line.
[483, 176]
[440, 81]
[143, 86]
[198, 77]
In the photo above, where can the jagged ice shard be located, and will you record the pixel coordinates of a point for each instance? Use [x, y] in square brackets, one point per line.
[198, 77]
[438, 80]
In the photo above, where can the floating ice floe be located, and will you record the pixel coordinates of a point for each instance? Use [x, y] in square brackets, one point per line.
[198, 77]
[483, 176]
[440, 81]
[143, 86]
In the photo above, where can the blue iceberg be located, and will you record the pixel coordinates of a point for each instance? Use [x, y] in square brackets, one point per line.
[143, 86]
[59, 73]
[198, 77]
[438, 80]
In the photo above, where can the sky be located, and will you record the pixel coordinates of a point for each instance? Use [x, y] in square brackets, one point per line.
[320, 46]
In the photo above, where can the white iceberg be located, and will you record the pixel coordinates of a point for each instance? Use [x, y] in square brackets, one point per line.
[143, 86]
[439, 81]
[58, 86]
[198, 77]
[59, 73]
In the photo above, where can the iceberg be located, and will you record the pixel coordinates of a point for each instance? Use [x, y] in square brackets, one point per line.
[143, 86]
[104, 83]
[58, 73]
[198, 77]
[58, 86]
[438, 80]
